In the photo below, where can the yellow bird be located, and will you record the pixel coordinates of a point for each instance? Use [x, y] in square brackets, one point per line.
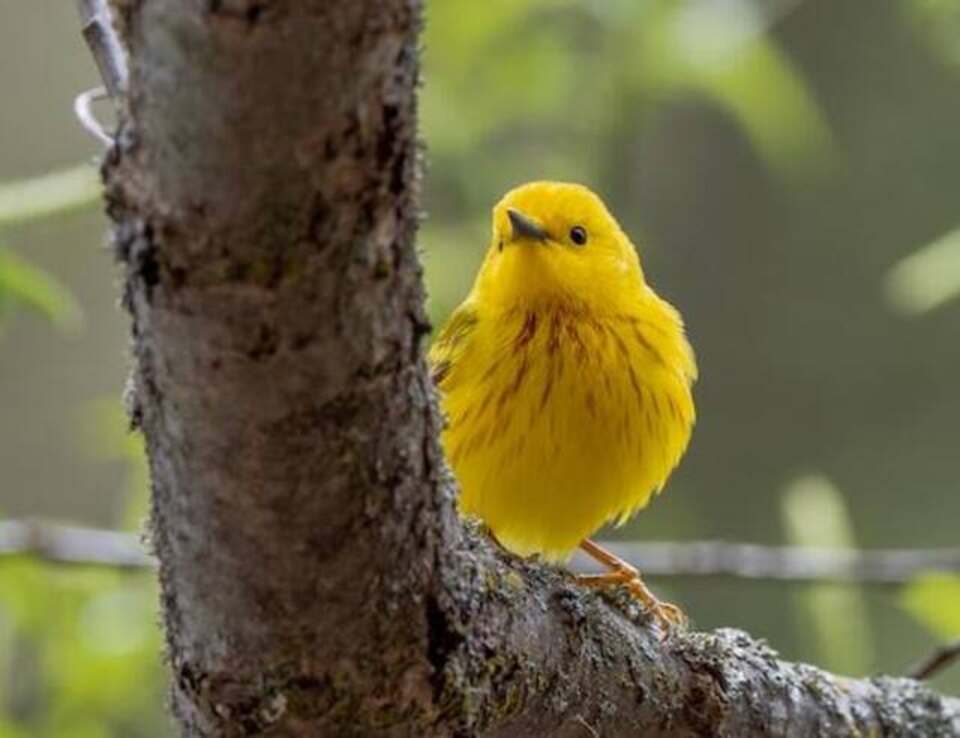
[565, 381]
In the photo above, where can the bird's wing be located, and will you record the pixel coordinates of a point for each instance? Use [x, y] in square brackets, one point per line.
[451, 344]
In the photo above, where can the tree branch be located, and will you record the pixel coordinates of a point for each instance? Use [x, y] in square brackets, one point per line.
[83, 109]
[785, 563]
[70, 544]
[315, 578]
[96, 24]
[78, 545]
[544, 659]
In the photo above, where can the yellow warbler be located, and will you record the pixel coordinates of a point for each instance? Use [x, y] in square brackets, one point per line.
[565, 381]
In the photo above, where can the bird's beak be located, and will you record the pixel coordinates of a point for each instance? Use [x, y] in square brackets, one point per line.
[525, 227]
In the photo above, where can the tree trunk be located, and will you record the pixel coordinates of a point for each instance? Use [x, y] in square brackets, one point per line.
[315, 579]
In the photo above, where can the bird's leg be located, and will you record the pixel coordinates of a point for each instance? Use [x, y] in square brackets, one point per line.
[622, 573]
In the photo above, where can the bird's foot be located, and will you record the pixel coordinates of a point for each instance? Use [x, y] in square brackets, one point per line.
[667, 615]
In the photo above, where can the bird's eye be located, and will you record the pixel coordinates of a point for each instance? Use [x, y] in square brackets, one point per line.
[578, 234]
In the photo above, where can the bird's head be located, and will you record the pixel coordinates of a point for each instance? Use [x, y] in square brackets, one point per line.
[555, 242]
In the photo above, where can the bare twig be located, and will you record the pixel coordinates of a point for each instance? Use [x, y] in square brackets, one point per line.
[83, 109]
[101, 36]
[68, 544]
[78, 545]
[937, 661]
[107, 49]
[752, 561]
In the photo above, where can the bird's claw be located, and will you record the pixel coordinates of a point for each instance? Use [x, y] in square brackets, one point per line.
[667, 615]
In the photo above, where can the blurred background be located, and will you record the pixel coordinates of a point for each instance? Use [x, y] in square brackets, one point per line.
[790, 171]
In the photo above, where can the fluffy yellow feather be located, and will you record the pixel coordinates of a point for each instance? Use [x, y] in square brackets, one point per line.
[565, 379]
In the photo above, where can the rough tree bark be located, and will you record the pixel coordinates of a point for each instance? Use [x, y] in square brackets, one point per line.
[315, 578]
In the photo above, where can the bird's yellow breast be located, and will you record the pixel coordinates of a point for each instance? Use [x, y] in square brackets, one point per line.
[561, 419]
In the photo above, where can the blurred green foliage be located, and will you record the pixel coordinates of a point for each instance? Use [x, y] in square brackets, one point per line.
[79, 653]
[26, 286]
[937, 23]
[934, 599]
[927, 278]
[815, 515]
[23, 201]
[79, 648]
[49, 195]
[930, 276]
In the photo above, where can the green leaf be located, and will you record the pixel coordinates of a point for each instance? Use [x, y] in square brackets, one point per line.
[934, 600]
[48, 194]
[927, 278]
[24, 284]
